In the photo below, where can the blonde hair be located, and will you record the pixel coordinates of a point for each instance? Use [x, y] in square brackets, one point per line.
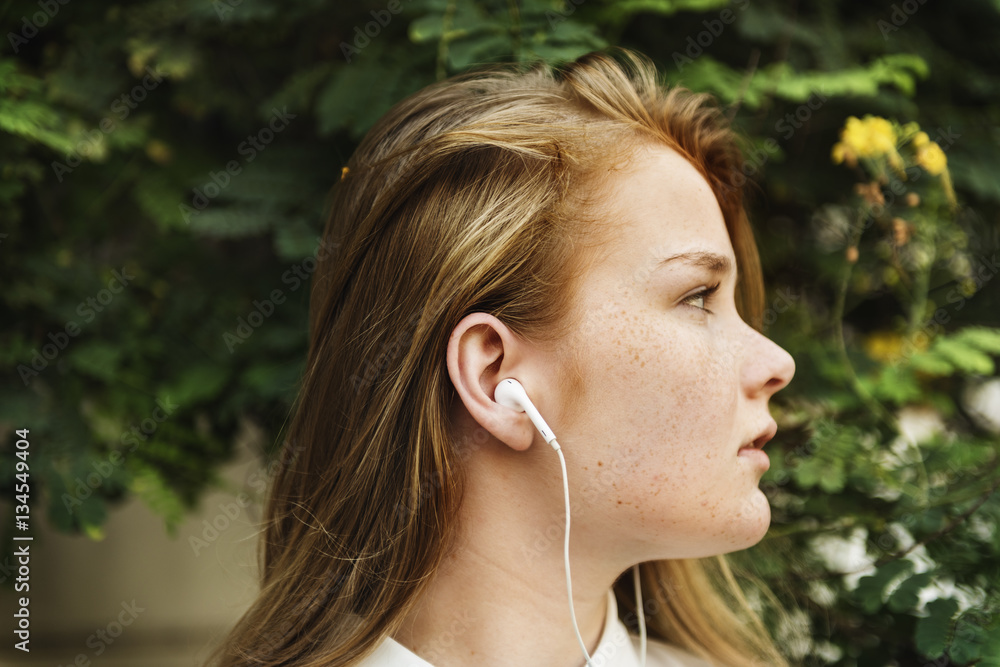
[465, 197]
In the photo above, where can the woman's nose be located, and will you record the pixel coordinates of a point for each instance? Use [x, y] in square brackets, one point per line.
[768, 367]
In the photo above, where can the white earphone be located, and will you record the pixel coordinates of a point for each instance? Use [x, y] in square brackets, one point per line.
[511, 394]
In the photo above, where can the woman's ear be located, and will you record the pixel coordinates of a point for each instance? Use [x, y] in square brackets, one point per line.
[482, 350]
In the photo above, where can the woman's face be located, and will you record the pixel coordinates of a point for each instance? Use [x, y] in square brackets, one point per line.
[672, 382]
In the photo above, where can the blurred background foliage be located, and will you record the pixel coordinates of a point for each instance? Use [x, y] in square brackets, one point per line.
[165, 166]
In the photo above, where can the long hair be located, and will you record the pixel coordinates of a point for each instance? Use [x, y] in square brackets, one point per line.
[465, 197]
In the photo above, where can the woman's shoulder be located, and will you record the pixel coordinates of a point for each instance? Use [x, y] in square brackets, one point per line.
[661, 654]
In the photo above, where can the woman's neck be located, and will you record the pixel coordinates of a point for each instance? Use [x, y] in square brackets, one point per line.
[499, 597]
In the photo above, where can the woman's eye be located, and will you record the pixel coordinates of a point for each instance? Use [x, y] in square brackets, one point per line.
[699, 299]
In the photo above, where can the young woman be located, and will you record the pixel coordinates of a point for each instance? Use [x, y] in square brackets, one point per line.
[582, 232]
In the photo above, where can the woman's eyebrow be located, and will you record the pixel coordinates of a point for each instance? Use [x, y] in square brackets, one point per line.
[712, 261]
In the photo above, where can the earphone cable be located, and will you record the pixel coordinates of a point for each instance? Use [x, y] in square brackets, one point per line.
[511, 394]
[569, 581]
[641, 613]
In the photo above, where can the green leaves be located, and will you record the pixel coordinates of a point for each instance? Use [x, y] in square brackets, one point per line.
[982, 338]
[25, 112]
[624, 10]
[895, 383]
[839, 464]
[967, 351]
[97, 359]
[870, 593]
[906, 595]
[934, 630]
[348, 101]
[782, 80]
[468, 34]
[195, 384]
[159, 495]
[974, 638]
[824, 459]
[962, 356]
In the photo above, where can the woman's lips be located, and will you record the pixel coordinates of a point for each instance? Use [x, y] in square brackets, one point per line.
[754, 450]
[765, 434]
[757, 456]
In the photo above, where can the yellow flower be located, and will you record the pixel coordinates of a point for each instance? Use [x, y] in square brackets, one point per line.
[880, 135]
[884, 346]
[895, 160]
[949, 189]
[920, 139]
[866, 138]
[837, 153]
[932, 158]
[841, 153]
[853, 131]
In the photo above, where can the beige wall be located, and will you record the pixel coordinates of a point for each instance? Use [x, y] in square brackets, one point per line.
[188, 601]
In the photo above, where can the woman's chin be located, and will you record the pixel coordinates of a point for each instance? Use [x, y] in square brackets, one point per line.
[746, 527]
[763, 514]
[754, 521]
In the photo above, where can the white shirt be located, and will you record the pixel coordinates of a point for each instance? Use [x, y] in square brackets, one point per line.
[617, 648]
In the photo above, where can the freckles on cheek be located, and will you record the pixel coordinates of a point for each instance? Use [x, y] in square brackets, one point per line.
[686, 387]
[633, 339]
[654, 363]
[711, 388]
